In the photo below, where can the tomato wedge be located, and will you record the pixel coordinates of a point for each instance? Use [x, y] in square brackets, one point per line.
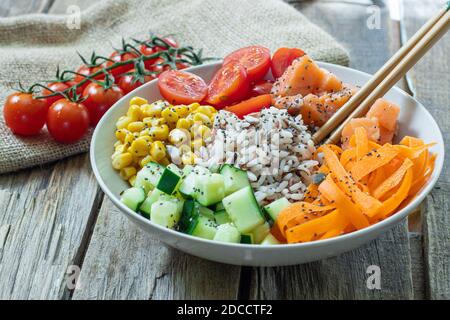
[255, 60]
[180, 87]
[251, 105]
[282, 59]
[229, 84]
[261, 87]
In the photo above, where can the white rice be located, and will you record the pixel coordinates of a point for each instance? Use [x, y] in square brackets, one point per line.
[274, 147]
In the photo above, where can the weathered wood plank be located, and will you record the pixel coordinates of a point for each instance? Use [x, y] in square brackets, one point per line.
[344, 277]
[431, 80]
[19, 7]
[123, 262]
[43, 230]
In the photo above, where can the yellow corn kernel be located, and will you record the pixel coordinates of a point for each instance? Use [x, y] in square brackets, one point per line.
[196, 144]
[203, 132]
[183, 123]
[138, 100]
[164, 161]
[160, 132]
[203, 118]
[134, 112]
[117, 143]
[193, 106]
[129, 138]
[188, 158]
[119, 150]
[178, 137]
[181, 110]
[145, 160]
[127, 172]
[170, 115]
[157, 150]
[121, 133]
[139, 147]
[122, 160]
[154, 122]
[146, 138]
[152, 110]
[206, 110]
[185, 148]
[132, 180]
[136, 126]
[123, 122]
[144, 132]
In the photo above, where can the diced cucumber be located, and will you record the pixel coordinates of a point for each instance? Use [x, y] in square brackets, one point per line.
[222, 217]
[189, 218]
[260, 232]
[243, 209]
[166, 211]
[270, 240]
[133, 197]
[227, 233]
[175, 169]
[188, 184]
[149, 176]
[146, 207]
[205, 228]
[234, 178]
[169, 180]
[247, 238]
[209, 189]
[219, 206]
[274, 208]
[206, 212]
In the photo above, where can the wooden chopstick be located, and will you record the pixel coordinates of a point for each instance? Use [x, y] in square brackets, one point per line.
[348, 111]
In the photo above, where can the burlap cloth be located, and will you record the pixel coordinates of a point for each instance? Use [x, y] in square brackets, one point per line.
[32, 46]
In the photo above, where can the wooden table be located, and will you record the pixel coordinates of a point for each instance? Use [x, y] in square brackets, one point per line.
[54, 217]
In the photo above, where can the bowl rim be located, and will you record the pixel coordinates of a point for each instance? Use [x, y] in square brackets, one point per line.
[384, 224]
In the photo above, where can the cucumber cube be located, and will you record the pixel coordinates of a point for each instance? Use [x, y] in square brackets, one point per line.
[247, 238]
[227, 233]
[169, 180]
[149, 176]
[205, 228]
[209, 189]
[133, 197]
[270, 240]
[260, 232]
[166, 211]
[243, 210]
[146, 207]
[234, 178]
[274, 208]
[222, 217]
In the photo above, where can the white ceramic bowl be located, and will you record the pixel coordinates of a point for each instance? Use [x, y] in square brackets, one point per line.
[414, 120]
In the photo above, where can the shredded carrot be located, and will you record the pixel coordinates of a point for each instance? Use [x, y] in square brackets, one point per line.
[364, 184]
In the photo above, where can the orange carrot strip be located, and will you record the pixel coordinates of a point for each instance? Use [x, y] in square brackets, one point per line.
[362, 142]
[314, 228]
[412, 152]
[373, 160]
[311, 193]
[301, 211]
[419, 183]
[332, 192]
[393, 180]
[365, 202]
[396, 199]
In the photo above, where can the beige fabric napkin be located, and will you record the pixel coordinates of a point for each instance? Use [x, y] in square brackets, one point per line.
[32, 46]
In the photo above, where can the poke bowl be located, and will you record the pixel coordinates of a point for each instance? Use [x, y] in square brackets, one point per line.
[413, 120]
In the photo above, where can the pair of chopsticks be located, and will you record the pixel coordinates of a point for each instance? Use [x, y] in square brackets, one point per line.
[385, 78]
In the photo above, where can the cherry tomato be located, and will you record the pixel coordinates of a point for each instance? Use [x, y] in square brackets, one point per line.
[260, 88]
[99, 100]
[121, 57]
[255, 59]
[54, 86]
[229, 84]
[283, 58]
[147, 51]
[67, 121]
[24, 114]
[180, 87]
[127, 83]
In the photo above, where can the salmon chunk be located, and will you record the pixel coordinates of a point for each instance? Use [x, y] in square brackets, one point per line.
[370, 124]
[386, 112]
[303, 77]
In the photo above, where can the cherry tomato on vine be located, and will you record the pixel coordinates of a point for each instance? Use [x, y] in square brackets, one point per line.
[230, 84]
[24, 114]
[99, 100]
[127, 82]
[54, 86]
[261, 87]
[67, 121]
[121, 57]
[87, 71]
[283, 58]
[180, 87]
[255, 60]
